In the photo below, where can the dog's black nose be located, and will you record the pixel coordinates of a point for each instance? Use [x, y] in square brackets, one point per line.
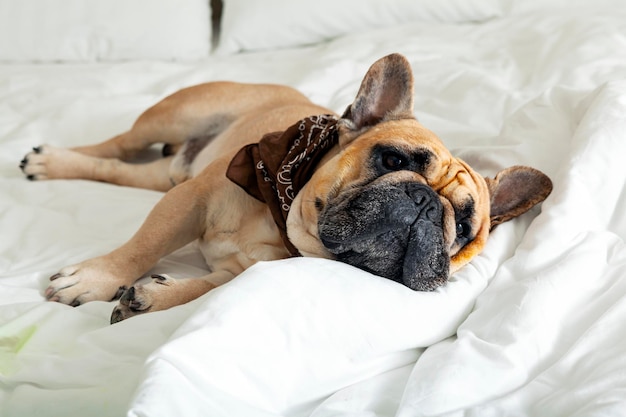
[426, 201]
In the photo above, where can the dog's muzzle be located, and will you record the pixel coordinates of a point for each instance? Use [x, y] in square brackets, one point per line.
[392, 230]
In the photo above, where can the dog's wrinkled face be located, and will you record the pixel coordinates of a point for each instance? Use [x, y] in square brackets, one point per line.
[405, 209]
[396, 203]
[392, 200]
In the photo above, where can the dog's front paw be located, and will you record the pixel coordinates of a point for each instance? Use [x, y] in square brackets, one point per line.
[141, 299]
[77, 284]
[46, 162]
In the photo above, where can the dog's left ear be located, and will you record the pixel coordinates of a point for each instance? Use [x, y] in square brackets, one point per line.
[386, 93]
[516, 190]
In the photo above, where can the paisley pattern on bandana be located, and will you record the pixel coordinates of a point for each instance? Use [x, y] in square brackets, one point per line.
[276, 168]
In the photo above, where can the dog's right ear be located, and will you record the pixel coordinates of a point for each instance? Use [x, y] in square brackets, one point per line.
[386, 93]
[516, 190]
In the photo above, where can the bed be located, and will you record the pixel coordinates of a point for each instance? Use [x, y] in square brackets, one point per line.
[534, 326]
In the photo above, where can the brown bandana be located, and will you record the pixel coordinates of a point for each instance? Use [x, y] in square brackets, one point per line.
[275, 169]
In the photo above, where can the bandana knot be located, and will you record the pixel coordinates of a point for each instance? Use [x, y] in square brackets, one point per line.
[276, 168]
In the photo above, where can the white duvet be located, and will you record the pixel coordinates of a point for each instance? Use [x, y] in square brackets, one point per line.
[534, 326]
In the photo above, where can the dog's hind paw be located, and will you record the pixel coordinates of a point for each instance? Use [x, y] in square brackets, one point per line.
[32, 164]
[46, 162]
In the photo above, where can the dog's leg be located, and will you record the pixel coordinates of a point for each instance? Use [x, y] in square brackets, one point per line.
[46, 162]
[193, 115]
[105, 161]
[124, 146]
[179, 218]
[196, 112]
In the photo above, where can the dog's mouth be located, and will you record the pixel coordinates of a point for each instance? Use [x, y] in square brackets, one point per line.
[392, 230]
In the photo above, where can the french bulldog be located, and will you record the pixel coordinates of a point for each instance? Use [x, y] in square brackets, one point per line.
[258, 173]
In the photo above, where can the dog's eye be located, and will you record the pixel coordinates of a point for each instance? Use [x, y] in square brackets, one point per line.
[393, 160]
[463, 230]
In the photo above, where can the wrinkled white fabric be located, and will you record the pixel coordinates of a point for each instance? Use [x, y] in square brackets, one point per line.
[533, 326]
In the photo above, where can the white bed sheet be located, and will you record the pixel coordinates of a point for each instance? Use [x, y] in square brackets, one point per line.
[534, 326]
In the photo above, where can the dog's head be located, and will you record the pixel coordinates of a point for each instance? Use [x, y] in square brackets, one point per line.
[392, 200]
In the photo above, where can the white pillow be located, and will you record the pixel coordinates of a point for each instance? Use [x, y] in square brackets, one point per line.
[267, 24]
[543, 6]
[99, 30]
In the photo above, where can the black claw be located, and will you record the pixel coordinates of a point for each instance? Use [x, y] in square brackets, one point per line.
[30, 177]
[167, 150]
[37, 149]
[75, 303]
[128, 297]
[119, 293]
[116, 316]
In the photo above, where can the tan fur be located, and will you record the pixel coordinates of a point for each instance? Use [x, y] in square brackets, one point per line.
[235, 230]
